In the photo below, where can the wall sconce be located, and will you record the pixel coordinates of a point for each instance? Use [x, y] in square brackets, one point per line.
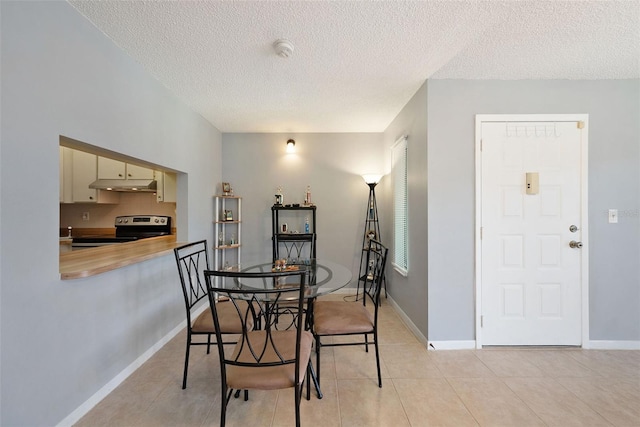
[291, 146]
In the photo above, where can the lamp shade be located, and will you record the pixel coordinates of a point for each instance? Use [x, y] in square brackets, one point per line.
[372, 178]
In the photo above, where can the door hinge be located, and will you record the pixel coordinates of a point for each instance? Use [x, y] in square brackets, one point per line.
[580, 124]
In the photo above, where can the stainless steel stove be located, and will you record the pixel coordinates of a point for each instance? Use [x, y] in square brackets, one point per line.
[128, 229]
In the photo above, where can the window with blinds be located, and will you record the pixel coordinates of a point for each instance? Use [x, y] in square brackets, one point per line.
[400, 259]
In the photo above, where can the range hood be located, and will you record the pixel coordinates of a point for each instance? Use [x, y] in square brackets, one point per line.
[142, 185]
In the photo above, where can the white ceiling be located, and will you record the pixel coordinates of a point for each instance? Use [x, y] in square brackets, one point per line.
[357, 63]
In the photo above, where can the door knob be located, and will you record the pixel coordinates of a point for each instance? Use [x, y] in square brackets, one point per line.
[573, 229]
[575, 245]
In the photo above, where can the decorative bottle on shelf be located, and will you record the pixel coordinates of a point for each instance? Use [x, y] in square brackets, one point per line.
[306, 225]
[221, 239]
[279, 197]
[307, 196]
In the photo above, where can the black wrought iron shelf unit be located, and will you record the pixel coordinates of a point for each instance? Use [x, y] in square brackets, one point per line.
[227, 246]
[289, 238]
[371, 231]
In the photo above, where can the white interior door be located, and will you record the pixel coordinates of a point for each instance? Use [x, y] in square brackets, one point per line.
[531, 278]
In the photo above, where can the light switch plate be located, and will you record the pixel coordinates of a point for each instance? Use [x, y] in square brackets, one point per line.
[613, 216]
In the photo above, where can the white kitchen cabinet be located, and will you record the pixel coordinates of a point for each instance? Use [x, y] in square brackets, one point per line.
[84, 170]
[138, 172]
[111, 169]
[166, 191]
[116, 169]
[66, 175]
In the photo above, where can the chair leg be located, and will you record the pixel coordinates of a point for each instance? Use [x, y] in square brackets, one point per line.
[226, 396]
[318, 345]
[186, 362]
[298, 396]
[308, 380]
[208, 343]
[375, 343]
[366, 343]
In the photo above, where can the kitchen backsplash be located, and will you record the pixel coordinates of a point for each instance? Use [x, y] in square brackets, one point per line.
[102, 216]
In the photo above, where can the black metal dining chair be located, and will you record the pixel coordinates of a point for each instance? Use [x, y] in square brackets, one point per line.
[342, 318]
[265, 359]
[192, 260]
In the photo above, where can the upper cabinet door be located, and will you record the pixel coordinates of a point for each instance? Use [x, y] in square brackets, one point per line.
[115, 169]
[84, 173]
[110, 169]
[138, 172]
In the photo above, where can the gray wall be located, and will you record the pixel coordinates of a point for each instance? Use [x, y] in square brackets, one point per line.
[614, 182]
[332, 164]
[411, 292]
[61, 341]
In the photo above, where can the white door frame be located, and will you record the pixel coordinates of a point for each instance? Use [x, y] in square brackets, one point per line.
[584, 212]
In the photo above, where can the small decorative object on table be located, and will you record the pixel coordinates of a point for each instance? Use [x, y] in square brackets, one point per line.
[279, 197]
[226, 189]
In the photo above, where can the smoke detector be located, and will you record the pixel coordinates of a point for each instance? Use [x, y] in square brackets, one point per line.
[283, 47]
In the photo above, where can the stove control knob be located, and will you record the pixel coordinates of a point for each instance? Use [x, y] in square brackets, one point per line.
[157, 220]
[126, 220]
[162, 220]
[119, 220]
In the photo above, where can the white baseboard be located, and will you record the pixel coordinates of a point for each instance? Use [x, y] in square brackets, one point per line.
[405, 319]
[431, 345]
[452, 345]
[83, 409]
[613, 345]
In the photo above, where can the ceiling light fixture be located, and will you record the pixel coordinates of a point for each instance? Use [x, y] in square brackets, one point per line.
[283, 47]
[291, 146]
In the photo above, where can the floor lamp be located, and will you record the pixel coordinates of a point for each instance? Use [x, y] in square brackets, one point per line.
[371, 228]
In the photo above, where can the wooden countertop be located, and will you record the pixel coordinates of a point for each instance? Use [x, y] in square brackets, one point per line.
[91, 261]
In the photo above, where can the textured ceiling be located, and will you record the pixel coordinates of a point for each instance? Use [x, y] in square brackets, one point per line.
[356, 64]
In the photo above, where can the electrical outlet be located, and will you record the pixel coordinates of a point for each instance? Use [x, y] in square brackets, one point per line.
[613, 216]
[85, 216]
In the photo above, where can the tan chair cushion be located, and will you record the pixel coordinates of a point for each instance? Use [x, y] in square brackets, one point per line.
[269, 377]
[227, 316]
[341, 317]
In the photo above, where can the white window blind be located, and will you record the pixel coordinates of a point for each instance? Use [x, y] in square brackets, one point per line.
[400, 259]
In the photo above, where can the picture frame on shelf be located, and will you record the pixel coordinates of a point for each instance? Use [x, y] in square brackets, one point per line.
[228, 215]
[226, 189]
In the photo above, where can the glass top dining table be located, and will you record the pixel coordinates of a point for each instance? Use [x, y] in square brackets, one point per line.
[322, 276]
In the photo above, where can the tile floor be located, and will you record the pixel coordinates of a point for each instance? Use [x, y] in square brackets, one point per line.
[489, 387]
